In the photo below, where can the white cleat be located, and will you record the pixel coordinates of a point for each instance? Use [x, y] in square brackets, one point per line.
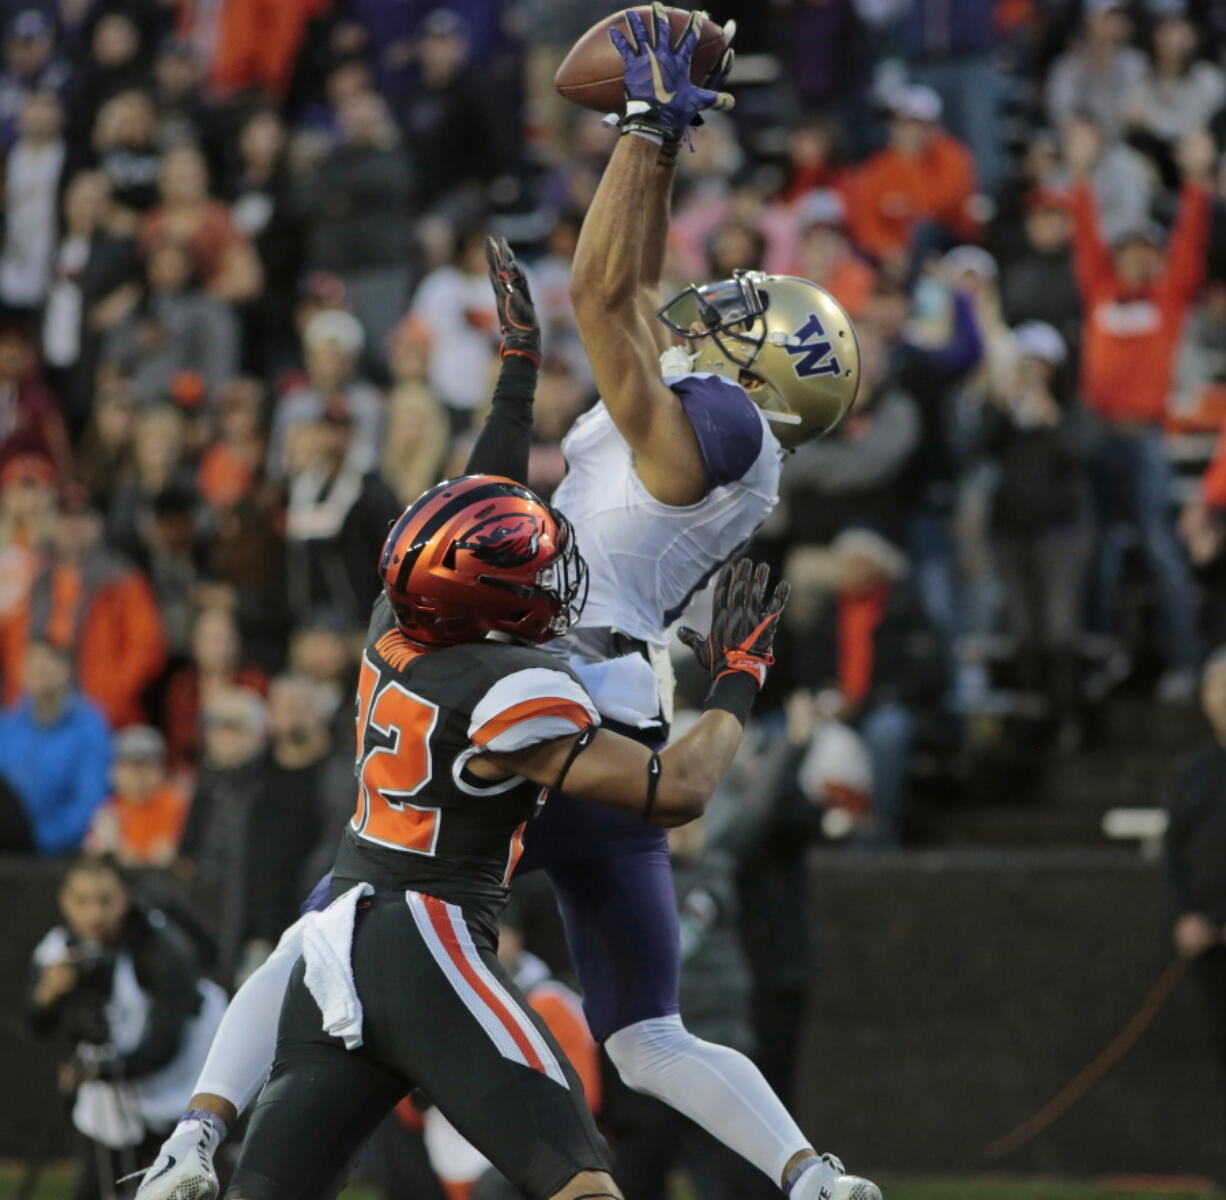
[826, 1181]
[852, 1187]
[183, 1169]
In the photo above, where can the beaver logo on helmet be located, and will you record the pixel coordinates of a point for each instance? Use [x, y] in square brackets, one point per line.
[504, 540]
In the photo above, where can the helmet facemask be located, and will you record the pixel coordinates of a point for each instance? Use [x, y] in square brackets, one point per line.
[731, 312]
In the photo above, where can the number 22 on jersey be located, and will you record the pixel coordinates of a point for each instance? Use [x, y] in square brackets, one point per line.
[393, 763]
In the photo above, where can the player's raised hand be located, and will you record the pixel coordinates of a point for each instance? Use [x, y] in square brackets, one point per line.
[660, 95]
[521, 334]
[743, 623]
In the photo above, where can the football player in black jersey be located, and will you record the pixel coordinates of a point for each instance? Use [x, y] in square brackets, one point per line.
[462, 721]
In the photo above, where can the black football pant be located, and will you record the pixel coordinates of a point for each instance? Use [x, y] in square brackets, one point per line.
[439, 1014]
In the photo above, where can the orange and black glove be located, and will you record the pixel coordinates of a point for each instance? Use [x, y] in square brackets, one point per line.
[743, 623]
[516, 314]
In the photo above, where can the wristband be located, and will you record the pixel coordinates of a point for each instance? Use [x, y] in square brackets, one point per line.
[735, 693]
[644, 129]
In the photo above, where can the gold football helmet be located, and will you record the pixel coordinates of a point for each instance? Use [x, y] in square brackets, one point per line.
[788, 333]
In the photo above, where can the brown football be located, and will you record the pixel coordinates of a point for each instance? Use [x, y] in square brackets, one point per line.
[591, 74]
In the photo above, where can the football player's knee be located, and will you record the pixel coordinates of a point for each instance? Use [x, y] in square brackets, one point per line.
[643, 1052]
[590, 1185]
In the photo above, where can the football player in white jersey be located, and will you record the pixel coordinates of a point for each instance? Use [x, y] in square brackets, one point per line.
[668, 477]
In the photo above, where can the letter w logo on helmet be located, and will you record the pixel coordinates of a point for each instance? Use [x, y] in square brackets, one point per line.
[813, 357]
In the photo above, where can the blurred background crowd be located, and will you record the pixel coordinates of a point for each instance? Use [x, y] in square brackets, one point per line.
[244, 318]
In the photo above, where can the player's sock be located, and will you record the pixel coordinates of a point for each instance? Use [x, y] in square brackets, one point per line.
[808, 1177]
[242, 1051]
[211, 1128]
[715, 1087]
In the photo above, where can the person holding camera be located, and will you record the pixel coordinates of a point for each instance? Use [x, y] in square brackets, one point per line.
[123, 988]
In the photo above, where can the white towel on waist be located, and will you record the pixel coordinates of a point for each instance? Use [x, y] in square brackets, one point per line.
[625, 688]
[327, 945]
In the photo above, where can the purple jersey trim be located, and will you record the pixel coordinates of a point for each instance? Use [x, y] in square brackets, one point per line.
[320, 897]
[725, 421]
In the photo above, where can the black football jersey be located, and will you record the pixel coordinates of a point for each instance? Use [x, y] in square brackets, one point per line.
[423, 823]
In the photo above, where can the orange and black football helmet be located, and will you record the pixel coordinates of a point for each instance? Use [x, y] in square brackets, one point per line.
[480, 554]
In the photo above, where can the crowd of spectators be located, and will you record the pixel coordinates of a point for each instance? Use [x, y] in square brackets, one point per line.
[244, 317]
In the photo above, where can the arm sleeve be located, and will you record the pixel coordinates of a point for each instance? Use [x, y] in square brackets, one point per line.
[506, 437]
[1091, 261]
[537, 704]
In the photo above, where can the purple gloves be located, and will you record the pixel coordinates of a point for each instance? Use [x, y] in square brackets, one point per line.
[661, 98]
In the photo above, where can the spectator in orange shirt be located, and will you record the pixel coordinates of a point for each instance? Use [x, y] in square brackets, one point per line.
[89, 601]
[825, 256]
[923, 177]
[1135, 294]
[141, 822]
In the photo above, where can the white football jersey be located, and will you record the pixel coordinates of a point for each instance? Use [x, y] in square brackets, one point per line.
[646, 558]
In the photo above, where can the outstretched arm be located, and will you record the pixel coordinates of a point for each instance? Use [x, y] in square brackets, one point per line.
[1187, 251]
[618, 773]
[606, 288]
[674, 786]
[658, 204]
[621, 243]
[505, 440]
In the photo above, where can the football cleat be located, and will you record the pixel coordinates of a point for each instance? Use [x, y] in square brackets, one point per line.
[852, 1187]
[826, 1181]
[183, 1169]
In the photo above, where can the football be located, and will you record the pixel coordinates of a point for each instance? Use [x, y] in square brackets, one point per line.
[591, 74]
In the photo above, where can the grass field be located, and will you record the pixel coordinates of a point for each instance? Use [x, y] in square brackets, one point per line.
[993, 1189]
[56, 1185]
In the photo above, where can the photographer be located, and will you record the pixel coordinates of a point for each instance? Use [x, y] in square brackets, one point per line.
[123, 988]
